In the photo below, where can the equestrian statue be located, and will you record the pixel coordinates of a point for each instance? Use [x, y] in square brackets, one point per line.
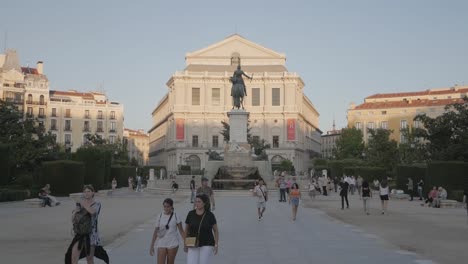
[238, 90]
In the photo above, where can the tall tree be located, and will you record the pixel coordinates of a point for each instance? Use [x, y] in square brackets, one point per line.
[381, 151]
[28, 137]
[350, 144]
[446, 135]
[411, 150]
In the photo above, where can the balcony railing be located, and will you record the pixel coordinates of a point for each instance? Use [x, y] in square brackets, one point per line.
[99, 130]
[112, 130]
[67, 116]
[100, 117]
[54, 115]
[86, 129]
[35, 102]
[87, 116]
[41, 116]
[13, 100]
[112, 117]
[67, 129]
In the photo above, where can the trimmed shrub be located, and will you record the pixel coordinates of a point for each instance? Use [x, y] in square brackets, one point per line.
[13, 195]
[452, 175]
[64, 176]
[5, 164]
[415, 172]
[121, 174]
[337, 166]
[97, 165]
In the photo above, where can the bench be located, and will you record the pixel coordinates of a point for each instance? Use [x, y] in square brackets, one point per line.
[399, 196]
[450, 204]
[35, 202]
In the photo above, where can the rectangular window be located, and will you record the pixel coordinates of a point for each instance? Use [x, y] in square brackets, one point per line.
[215, 141]
[68, 139]
[41, 112]
[195, 96]
[358, 125]
[86, 114]
[403, 138]
[112, 115]
[384, 112]
[54, 112]
[30, 112]
[112, 127]
[275, 96]
[86, 126]
[417, 124]
[99, 126]
[112, 139]
[403, 124]
[195, 141]
[216, 96]
[384, 125]
[67, 125]
[255, 96]
[100, 116]
[68, 113]
[53, 124]
[370, 125]
[275, 141]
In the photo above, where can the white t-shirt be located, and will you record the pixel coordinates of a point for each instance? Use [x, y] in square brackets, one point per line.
[259, 194]
[171, 237]
[384, 191]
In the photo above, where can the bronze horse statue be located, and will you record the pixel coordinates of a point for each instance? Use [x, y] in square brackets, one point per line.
[238, 90]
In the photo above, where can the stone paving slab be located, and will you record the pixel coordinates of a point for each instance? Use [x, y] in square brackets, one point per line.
[312, 238]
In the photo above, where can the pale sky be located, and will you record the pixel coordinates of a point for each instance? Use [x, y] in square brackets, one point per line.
[343, 50]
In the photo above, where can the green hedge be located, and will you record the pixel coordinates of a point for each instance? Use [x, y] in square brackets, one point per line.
[337, 166]
[13, 195]
[369, 174]
[415, 172]
[5, 164]
[452, 175]
[97, 164]
[121, 174]
[64, 176]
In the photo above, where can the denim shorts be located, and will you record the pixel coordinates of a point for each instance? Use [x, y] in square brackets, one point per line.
[295, 201]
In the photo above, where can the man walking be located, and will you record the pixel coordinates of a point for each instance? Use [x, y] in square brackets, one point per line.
[261, 193]
[192, 189]
[282, 188]
[205, 189]
[410, 188]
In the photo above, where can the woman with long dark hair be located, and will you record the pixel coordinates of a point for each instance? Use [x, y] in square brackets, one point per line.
[165, 234]
[384, 190]
[294, 197]
[201, 225]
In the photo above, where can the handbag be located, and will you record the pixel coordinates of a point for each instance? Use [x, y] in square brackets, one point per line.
[193, 241]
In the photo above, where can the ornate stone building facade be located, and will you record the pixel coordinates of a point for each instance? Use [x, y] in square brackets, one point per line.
[68, 115]
[187, 120]
[137, 145]
[396, 111]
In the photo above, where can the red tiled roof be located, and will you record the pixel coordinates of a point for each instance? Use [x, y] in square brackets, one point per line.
[135, 132]
[427, 92]
[414, 103]
[69, 93]
[28, 70]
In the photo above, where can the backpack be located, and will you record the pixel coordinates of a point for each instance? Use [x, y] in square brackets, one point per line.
[82, 222]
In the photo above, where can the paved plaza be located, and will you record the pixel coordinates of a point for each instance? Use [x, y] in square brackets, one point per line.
[312, 238]
[322, 233]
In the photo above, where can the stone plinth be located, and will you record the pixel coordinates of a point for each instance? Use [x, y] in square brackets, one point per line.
[238, 119]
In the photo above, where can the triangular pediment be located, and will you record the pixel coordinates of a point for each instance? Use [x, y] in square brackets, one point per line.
[235, 44]
[13, 75]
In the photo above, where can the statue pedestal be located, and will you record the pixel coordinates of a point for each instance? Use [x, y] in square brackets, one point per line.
[238, 119]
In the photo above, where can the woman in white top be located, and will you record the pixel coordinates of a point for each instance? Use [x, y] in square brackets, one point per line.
[165, 234]
[384, 191]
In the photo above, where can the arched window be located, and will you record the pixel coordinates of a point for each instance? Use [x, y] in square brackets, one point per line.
[235, 59]
[194, 162]
[29, 98]
[41, 100]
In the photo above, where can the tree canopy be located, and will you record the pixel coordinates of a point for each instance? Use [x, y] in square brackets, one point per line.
[350, 144]
[446, 136]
